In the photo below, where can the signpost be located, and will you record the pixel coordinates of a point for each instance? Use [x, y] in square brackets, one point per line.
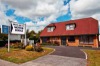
[15, 28]
[18, 29]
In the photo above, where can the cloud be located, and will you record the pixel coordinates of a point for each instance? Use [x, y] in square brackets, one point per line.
[3, 17]
[84, 8]
[34, 26]
[34, 9]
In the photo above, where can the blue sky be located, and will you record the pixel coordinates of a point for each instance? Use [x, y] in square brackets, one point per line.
[22, 19]
[38, 14]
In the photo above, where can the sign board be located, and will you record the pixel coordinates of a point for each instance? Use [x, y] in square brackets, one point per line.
[17, 28]
[4, 29]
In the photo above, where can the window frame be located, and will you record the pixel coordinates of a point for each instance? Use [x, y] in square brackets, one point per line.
[70, 26]
[50, 29]
[86, 39]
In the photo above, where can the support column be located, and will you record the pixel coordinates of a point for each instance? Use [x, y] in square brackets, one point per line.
[40, 40]
[96, 42]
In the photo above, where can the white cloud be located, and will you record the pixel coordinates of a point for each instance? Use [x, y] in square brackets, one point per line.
[3, 17]
[84, 8]
[33, 9]
[35, 27]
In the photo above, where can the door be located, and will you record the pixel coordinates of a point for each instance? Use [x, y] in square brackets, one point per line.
[63, 40]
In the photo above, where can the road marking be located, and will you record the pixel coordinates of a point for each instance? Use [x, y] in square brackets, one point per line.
[84, 53]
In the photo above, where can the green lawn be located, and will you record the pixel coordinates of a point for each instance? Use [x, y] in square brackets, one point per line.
[20, 56]
[93, 57]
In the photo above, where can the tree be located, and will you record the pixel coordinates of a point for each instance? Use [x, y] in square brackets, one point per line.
[32, 35]
[27, 33]
[38, 34]
[3, 36]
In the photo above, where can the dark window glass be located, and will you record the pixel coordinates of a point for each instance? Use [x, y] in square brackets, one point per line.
[71, 39]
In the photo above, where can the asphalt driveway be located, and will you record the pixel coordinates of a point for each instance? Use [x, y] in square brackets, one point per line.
[67, 51]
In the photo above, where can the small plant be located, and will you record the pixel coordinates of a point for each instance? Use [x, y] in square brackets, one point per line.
[38, 48]
[29, 48]
[56, 43]
[21, 45]
[6, 45]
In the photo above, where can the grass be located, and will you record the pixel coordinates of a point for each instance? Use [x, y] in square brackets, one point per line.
[20, 56]
[93, 57]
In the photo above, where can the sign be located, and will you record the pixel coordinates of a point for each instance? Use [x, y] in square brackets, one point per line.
[4, 29]
[17, 28]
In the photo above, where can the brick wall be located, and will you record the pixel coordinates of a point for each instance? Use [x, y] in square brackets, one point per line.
[96, 42]
[76, 43]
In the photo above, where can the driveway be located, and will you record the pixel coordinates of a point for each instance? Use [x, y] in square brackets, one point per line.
[62, 56]
[68, 51]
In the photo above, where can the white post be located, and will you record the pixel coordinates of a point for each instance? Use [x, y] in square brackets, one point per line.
[25, 34]
[8, 39]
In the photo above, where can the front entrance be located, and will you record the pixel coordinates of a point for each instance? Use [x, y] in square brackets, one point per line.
[63, 40]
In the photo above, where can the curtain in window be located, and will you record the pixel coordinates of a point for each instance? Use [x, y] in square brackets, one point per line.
[86, 39]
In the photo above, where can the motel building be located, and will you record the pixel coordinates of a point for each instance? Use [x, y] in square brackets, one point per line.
[80, 32]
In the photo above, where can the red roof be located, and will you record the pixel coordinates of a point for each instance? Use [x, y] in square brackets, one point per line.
[84, 26]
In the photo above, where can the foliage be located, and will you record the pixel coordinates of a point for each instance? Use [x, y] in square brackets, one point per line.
[51, 43]
[32, 35]
[38, 48]
[29, 48]
[15, 45]
[6, 45]
[56, 43]
[20, 55]
[93, 57]
[3, 36]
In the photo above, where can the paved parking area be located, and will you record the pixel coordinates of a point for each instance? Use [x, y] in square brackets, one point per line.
[68, 51]
[62, 56]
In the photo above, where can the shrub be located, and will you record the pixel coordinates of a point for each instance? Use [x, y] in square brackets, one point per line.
[56, 43]
[6, 45]
[14, 45]
[48, 44]
[38, 49]
[29, 48]
[21, 46]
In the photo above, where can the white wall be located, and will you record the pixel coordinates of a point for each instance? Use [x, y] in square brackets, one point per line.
[15, 37]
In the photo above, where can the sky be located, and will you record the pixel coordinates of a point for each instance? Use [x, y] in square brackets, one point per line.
[37, 14]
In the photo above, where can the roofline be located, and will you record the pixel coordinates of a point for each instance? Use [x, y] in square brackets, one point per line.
[73, 20]
[70, 35]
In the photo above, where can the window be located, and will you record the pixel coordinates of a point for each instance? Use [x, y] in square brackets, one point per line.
[71, 39]
[70, 27]
[50, 29]
[86, 39]
[45, 39]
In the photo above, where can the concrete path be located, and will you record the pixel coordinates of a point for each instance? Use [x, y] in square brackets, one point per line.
[61, 57]
[54, 60]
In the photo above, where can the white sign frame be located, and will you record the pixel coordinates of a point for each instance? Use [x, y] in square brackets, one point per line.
[17, 28]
